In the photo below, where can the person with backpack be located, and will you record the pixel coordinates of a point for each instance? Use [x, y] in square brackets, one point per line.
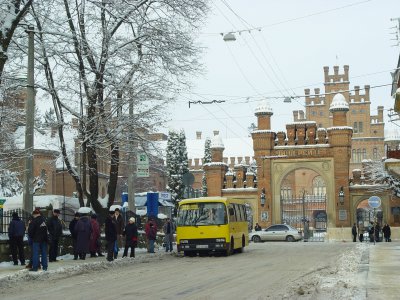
[16, 232]
[151, 235]
[37, 232]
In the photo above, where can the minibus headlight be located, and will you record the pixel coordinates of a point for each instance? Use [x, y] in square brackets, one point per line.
[184, 241]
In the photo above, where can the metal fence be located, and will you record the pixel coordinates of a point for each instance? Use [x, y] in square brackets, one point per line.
[67, 215]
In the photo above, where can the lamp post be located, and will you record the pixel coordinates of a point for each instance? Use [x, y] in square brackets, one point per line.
[262, 198]
[229, 37]
[29, 126]
[341, 196]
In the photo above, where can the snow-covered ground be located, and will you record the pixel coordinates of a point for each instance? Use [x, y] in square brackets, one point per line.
[264, 271]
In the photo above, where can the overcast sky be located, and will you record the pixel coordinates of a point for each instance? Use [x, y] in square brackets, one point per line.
[297, 38]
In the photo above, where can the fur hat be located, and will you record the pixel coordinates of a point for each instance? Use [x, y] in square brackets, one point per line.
[36, 211]
[56, 211]
[132, 219]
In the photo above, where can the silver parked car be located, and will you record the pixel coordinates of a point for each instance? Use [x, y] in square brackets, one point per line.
[277, 232]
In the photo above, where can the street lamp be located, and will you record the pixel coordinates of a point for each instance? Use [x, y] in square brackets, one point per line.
[341, 196]
[262, 198]
[229, 37]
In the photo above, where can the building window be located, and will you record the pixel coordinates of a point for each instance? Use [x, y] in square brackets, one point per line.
[358, 155]
[354, 155]
[355, 127]
[375, 153]
[364, 153]
[313, 113]
[319, 187]
[358, 127]
[321, 113]
[353, 112]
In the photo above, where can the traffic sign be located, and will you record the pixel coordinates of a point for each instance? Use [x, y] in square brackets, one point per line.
[374, 201]
[142, 169]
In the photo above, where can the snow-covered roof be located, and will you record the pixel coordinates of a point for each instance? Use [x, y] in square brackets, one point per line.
[216, 142]
[56, 201]
[264, 108]
[339, 103]
[43, 140]
[392, 135]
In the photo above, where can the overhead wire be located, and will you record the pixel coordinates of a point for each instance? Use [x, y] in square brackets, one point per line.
[282, 82]
[294, 19]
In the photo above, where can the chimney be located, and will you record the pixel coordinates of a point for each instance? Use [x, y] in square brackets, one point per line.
[198, 135]
[216, 132]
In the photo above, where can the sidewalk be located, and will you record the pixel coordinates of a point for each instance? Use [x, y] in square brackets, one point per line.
[66, 263]
[382, 270]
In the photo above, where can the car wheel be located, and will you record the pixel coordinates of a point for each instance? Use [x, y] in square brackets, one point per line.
[256, 239]
[289, 238]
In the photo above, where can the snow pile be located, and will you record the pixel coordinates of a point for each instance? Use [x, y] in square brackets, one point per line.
[79, 267]
[339, 282]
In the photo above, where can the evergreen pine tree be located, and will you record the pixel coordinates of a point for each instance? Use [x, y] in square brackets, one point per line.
[177, 164]
[206, 159]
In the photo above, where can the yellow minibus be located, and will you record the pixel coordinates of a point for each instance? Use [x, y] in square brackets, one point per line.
[211, 224]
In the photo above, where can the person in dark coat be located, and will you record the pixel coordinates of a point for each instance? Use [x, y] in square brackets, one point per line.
[257, 227]
[55, 230]
[386, 232]
[83, 231]
[16, 232]
[169, 229]
[73, 233]
[151, 235]
[377, 231]
[111, 235]
[131, 237]
[354, 232]
[94, 245]
[119, 226]
[37, 232]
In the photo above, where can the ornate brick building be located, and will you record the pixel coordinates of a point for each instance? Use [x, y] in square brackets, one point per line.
[302, 174]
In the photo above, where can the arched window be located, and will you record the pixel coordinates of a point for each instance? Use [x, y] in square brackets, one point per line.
[318, 186]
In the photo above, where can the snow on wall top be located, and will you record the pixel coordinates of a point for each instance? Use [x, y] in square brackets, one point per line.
[339, 103]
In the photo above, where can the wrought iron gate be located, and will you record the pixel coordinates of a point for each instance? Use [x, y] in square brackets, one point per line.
[306, 213]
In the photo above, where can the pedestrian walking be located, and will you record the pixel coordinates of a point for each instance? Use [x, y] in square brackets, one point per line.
[119, 226]
[111, 235]
[354, 232]
[95, 244]
[377, 232]
[151, 235]
[169, 229]
[360, 232]
[16, 232]
[71, 227]
[55, 230]
[37, 231]
[83, 231]
[371, 232]
[131, 237]
[387, 232]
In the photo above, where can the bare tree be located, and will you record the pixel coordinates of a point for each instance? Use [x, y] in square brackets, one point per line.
[11, 14]
[114, 66]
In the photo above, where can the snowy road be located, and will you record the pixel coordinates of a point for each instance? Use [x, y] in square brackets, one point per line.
[264, 271]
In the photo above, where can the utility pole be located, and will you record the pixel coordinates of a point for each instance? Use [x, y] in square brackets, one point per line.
[131, 162]
[29, 126]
